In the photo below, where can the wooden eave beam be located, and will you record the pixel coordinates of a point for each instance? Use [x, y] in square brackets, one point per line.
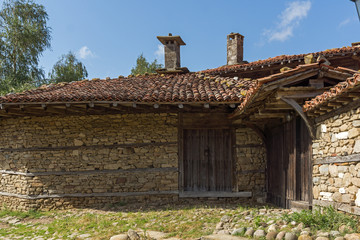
[268, 115]
[334, 104]
[344, 99]
[337, 75]
[291, 79]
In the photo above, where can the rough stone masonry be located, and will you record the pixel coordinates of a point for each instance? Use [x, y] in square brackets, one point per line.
[336, 159]
[83, 161]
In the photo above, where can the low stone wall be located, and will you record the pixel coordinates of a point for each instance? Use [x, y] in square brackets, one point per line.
[336, 162]
[251, 162]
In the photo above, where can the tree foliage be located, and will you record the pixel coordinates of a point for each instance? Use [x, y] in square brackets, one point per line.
[68, 69]
[143, 66]
[24, 35]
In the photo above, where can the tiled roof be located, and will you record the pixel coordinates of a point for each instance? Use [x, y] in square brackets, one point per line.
[337, 91]
[283, 59]
[272, 78]
[189, 88]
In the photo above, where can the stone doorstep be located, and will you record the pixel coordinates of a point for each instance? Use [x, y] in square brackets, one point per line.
[222, 237]
[300, 205]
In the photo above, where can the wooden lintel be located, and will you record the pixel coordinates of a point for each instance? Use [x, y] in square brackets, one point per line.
[354, 94]
[268, 115]
[325, 108]
[321, 112]
[311, 114]
[344, 99]
[334, 104]
[299, 110]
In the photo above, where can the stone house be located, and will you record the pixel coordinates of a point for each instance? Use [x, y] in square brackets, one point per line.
[283, 130]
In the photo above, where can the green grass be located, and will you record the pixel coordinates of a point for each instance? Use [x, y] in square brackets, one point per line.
[29, 214]
[186, 222]
[323, 219]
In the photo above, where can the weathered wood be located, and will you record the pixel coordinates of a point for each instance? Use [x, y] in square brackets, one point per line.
[346, 108]
[344, 99]
[249, 145]
[300, 205]
[88, 172]
[207, 157]
[251, 171]
[299, 110]
[107, 194]
[215, 194]
[291, 79]
[61, 148]
[268, 115]
[338, 159]
[288, 163]
[337, 75]
[205, 120]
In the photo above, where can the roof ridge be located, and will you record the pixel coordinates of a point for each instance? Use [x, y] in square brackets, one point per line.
[281, 58]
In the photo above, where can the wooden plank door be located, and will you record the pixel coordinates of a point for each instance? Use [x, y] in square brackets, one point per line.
[289, 163]
[207, 160]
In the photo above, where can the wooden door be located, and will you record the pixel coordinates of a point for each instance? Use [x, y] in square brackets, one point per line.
[289, 164]
[207, 160]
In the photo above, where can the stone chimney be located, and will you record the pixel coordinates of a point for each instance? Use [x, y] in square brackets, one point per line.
[172, 52]
[235, 49]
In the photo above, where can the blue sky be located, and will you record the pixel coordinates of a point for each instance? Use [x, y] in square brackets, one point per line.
[109, 35]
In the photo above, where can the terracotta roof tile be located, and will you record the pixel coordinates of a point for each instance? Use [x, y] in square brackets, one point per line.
[283, 58]
[191, 87]
[333, 93]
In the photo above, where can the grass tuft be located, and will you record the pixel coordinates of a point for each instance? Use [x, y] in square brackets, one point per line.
[326, 218]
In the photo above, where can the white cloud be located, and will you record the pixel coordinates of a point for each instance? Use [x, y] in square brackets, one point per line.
[159, 53]
[345, 22]
[85, 53]
[289, 19]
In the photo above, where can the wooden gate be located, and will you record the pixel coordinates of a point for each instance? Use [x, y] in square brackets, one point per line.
[289, 165]
[207, 160]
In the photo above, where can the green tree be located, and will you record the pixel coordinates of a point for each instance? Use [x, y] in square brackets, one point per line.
[68, 69]
[143, 66]
[24, 35]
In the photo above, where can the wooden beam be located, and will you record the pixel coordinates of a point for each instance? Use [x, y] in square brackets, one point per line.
[326, 108]
[337, 75]
[319, 111]
[268, 115]
[299, 110]
[291, 80]
[334, 104]
[344, 99]
[299, 95]
[345, 108]
[354, 94]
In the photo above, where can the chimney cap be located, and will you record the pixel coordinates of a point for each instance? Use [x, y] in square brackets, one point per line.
[164, 39]
[232, 35]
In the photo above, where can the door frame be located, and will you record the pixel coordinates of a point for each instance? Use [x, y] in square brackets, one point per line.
[232, 141]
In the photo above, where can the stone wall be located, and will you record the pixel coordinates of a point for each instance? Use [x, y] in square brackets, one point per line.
[336, 162]
[79, 161]
[251, 162]
[46, 159]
